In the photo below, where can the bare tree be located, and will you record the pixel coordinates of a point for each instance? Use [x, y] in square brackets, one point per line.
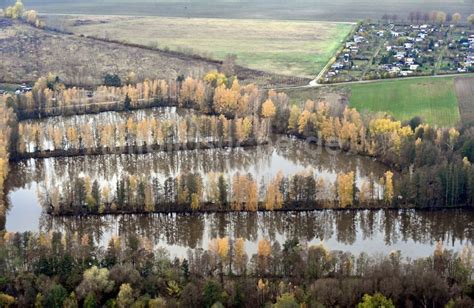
[228, 65]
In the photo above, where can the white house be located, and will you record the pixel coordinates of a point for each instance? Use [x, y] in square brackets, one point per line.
[337, 66]
[394, 70]
[400, 55]
[358, 38]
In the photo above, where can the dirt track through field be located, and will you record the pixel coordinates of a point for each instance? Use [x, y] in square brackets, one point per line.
[465, 94]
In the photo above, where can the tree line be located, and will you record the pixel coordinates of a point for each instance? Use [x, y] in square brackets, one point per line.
[50, 97]
[85, 136]
[217, 192]
[214, 94]
[70, 270]
[18, 11]
[435, 17]
[435, 164]
[7, 127]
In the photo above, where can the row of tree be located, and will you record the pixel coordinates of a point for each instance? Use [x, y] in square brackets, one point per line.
[18, 11]
[438, 17]
[7, 123]
[72, 134]
[215, 94]
[218, 192]
[69, 270]
[50, 97]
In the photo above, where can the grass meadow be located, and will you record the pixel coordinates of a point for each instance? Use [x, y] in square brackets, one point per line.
[293, 48]
[432, 99]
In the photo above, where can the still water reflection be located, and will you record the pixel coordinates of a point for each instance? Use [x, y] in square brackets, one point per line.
[412, 232]
[262, 162]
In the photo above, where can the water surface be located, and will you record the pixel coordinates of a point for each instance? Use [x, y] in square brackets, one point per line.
[414, 233]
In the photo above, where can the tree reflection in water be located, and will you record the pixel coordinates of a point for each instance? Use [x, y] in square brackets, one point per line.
[411, 230]
[263, 162]
[372, 231]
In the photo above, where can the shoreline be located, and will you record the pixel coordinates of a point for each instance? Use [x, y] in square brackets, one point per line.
[145, 149]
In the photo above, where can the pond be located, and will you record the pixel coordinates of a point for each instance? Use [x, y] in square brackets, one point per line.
[414, 233]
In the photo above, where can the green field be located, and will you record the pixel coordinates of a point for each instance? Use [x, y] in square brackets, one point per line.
[432, 99]
[293, 48]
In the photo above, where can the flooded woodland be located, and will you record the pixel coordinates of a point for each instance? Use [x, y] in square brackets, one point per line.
[412, 232]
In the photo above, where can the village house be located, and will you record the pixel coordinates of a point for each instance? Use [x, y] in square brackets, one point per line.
[354, 49]
[400, 55]
[350, 44]
[337, 66]
[469, 60]
[394, 70]
[358, 39]
[407, 50]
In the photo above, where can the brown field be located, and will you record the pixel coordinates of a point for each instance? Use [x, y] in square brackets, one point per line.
[287, 47]
[27, 53]
[332, 10]
[465, 94]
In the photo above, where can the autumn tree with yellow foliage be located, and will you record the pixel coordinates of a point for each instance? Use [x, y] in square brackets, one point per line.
[388, 187]
[268, 109]
[345, 189]
[7, 122]
[273, 196]
[138, 131]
